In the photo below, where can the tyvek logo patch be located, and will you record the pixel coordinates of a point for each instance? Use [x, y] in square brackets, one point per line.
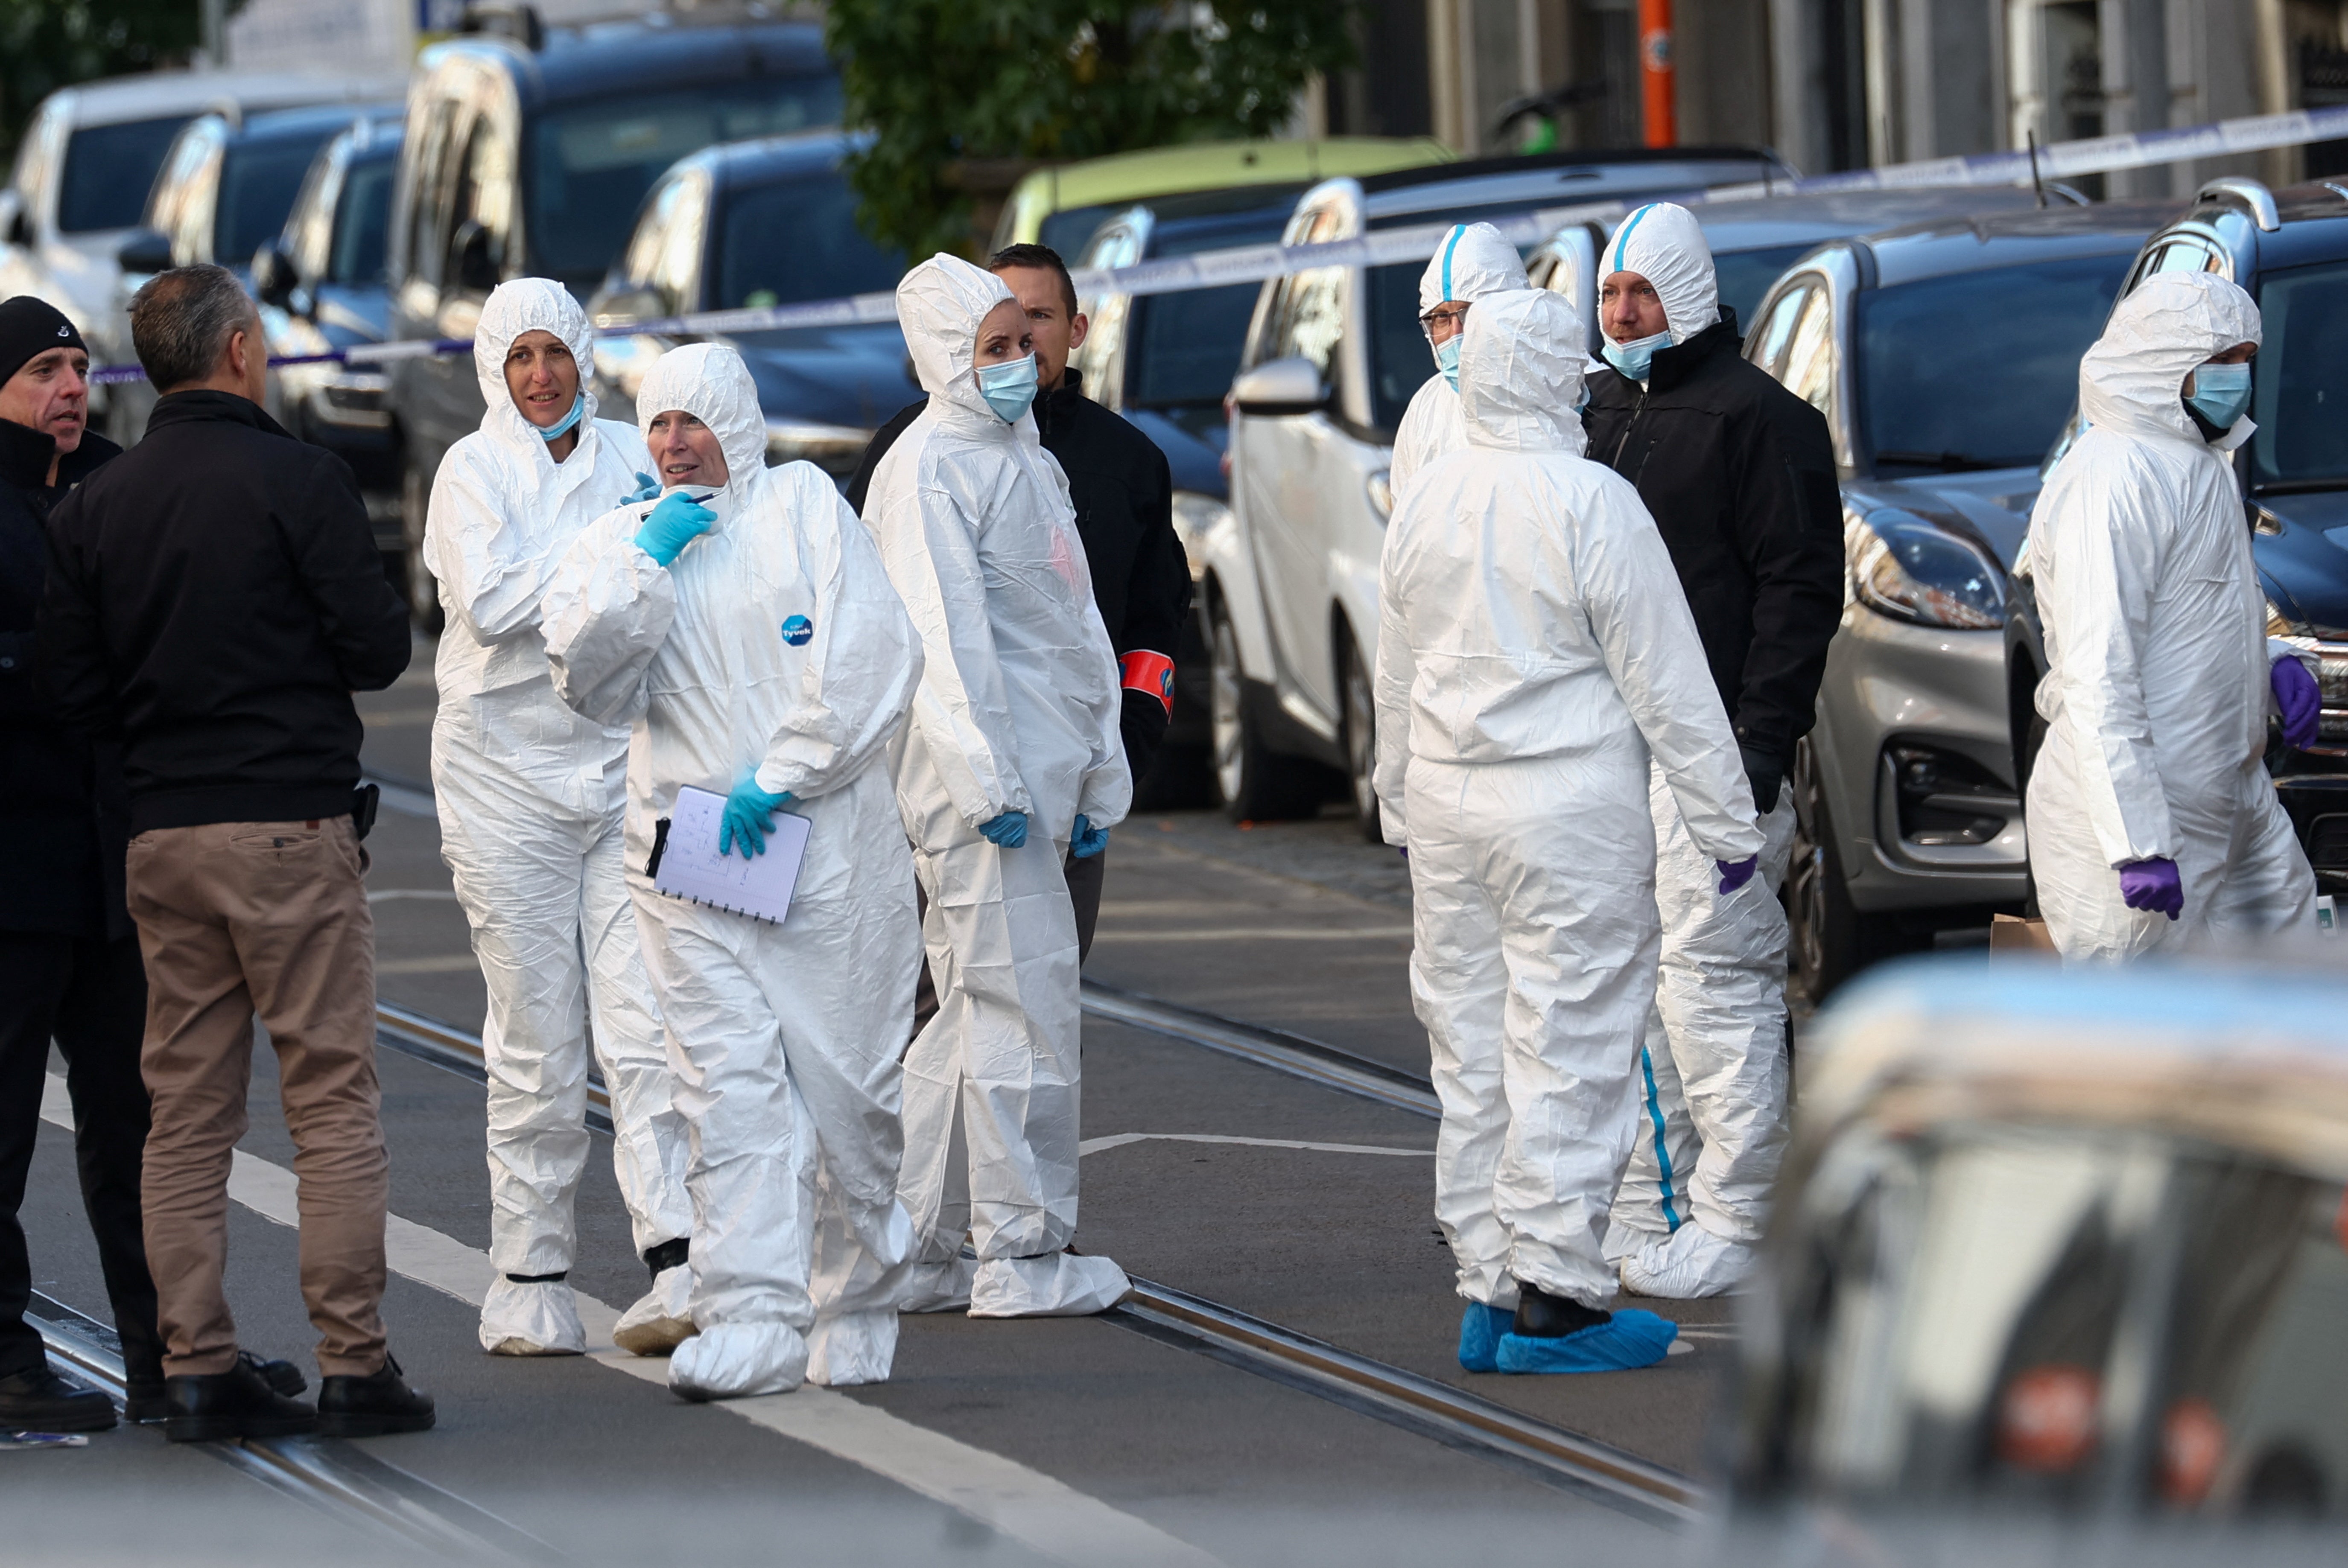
[797, 630]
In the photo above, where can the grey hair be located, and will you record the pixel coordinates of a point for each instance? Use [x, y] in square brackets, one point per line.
[181, 321]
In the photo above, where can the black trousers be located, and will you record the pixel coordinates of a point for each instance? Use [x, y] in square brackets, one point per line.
[90, 995]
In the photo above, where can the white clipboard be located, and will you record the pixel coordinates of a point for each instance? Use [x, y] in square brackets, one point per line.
[690, 866]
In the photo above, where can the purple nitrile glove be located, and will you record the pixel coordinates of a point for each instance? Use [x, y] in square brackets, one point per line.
[2301, 700]
[1735, 874]
[2152, 885]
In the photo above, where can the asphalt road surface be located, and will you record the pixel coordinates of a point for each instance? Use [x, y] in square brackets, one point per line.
[1301, 1209]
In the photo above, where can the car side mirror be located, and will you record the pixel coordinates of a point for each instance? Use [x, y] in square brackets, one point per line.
[473, 252]
[634, 303]
[147, 251]
[1292, 385]
[274, 277]
[15, 223]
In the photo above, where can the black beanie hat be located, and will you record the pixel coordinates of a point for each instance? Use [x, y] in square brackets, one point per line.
[30, 327]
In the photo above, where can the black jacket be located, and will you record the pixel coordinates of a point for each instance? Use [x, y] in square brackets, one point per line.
[64, 816]
[215, 597]
[1124, 498]
[1740, 476]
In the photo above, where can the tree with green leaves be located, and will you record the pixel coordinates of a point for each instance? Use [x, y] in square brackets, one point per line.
[46, 45]
[945, 84]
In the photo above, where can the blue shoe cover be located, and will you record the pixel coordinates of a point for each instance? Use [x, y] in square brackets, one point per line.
[1630, 1339]
[1480, 1327]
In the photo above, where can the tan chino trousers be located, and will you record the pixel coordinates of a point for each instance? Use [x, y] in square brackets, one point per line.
[270, 919]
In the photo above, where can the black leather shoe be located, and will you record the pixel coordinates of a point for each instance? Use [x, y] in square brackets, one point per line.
[1541, 1316]
[238, 1403]
[144, 1401]
[41, 1401]
[352, 1407]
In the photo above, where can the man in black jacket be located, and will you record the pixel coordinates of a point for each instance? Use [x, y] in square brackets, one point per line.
[214, 597]
[1740, 476]
[1124, 497]
[68, 955]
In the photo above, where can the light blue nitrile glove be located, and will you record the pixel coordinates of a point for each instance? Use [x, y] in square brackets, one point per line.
[1008, 831]
[749, 817]
[675, 523]
[1087, 840]
[647, 488]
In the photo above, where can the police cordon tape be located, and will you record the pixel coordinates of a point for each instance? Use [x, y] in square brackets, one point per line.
[1253, 263]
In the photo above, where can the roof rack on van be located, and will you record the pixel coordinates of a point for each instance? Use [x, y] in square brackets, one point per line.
[2251, 193]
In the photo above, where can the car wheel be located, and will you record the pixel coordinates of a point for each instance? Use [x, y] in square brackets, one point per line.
[1826, 945]
[1361, 738]
[423, 592]
[1253, 784]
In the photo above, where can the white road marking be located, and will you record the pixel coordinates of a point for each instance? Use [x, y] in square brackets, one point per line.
[437, 895]
[1119, 1140]
[399, 718]
[1047, 1515]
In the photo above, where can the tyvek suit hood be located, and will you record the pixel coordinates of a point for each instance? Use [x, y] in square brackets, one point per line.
[2157, 681]
[940, 304]
[2133, 379]
[1520, 372]
[710, 382]
[529, 304]
[1474, 262]
[1663, 244]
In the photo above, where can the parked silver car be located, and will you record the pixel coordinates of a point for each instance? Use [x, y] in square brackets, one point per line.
[1944, 356]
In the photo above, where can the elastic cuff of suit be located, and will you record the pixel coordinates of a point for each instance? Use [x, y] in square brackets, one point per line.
[539, 1278]
[1142, 670]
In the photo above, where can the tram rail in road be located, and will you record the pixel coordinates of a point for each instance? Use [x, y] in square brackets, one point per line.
[1426, 1406]
[337, 1478]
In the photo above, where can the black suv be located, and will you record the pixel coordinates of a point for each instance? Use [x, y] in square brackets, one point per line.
[2290, 249]
[529, 157]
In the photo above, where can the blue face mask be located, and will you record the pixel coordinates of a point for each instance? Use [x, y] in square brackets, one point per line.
[1635, 359]
[569, 422]
[1447, 360]
[2222, 392]
[1009, 388]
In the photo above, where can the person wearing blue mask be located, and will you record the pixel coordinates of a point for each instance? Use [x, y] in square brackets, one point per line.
[1739, 474]
[1013, 762]
[2152, 818]
[1473, 261]
[531, 799]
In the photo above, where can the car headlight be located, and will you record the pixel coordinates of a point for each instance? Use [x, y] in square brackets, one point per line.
[836, 449]
[1196, 517]
[1380, 485]
[1909, 570]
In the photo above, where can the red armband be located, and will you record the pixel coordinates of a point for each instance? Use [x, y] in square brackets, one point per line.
[1143, 671]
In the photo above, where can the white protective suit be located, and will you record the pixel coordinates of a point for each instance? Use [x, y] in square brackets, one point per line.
[773, 650]
[531, 797]
[2157, 683]
[1018, 712]
[1534, 650]
[1474, 262]
[1715, 1075]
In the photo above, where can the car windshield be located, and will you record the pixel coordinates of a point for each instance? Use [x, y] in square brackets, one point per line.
[2300, 379]
[1067, 231]
[360, 222]
[1976, 370]
[780, 244]
[108, 168]
[1745, 275]
[591, 164]
[259, 181]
